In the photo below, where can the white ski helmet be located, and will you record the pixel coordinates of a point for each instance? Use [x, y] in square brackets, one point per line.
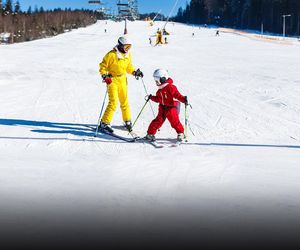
[124, 40]
[161, 75]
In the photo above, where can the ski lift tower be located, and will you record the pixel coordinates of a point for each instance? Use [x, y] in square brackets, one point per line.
[134, 9]
[101, 10]
[127, 9]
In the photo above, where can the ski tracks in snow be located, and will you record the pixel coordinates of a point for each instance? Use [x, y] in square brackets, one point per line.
[235, 115]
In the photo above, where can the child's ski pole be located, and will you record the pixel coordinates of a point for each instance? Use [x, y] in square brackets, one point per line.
[148, 95]
[140, 113]
[185, 121]
[99, 120]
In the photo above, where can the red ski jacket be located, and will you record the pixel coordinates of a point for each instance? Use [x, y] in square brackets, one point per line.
[166, 94]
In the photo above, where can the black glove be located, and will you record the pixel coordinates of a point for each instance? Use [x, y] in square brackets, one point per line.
[186, 100]
[138, 73]
[148, 97]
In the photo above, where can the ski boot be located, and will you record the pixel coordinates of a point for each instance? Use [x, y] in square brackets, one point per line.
[128, 126]
[149, 137]
[180, 137]
[105, 127]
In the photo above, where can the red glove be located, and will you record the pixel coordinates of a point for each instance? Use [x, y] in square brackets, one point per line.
[107, 79]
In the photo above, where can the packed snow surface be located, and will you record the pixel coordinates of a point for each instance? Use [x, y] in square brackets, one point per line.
[243, 161]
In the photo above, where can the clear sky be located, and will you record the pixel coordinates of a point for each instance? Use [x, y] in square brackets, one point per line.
[145, 6]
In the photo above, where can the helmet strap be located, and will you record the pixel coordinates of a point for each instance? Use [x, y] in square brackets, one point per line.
[121, 48]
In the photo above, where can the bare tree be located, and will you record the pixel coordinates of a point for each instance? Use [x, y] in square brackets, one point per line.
[39, 24]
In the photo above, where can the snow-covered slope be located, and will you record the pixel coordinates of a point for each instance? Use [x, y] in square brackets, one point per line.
[242, 163]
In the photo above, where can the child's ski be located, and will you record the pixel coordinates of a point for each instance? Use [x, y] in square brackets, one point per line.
[153, 143]
[175, 144]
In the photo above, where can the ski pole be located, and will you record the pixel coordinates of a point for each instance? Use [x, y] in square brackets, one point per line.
[99, 120]
[185, 121]
[148, 95]
[140, 112]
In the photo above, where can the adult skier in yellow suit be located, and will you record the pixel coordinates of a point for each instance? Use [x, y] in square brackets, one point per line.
[113, 69]
[159, 37]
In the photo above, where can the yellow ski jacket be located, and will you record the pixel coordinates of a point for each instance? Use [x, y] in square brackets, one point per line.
[116, 63]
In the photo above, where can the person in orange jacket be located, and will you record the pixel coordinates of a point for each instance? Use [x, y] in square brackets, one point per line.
[167, 96]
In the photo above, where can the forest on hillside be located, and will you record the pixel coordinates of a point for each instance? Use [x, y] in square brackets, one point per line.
[19, 26]
[244, 14]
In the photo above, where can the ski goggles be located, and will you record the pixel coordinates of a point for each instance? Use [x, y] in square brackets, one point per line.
[126, 46]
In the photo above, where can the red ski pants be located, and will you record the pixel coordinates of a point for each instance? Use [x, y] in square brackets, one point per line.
[164, 113]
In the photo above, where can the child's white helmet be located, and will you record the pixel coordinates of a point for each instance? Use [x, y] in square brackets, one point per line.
[161, 75]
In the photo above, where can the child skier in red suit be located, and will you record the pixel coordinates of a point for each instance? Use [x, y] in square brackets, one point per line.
[166, 96]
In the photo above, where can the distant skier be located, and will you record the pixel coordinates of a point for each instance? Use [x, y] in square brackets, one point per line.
[217, 33]
[159, 37]
[164, 32]
[165, 96]
[150, 41]
[113, 69]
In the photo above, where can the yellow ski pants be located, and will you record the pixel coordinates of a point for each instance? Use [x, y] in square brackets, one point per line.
[117, 91]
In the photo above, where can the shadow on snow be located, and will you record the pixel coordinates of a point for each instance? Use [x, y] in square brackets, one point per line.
[76, 129]
[86, 130]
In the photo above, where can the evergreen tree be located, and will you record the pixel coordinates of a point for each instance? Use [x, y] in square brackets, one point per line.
[36, 9]
[1, 7]
[245, 14]
[17, 7]
[8, 7]
[179, 17]
[29, 11]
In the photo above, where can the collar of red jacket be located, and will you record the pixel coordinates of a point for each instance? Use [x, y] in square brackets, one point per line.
[169, 81]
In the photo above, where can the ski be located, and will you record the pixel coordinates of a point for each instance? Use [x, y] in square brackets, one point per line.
[178, 143]
[126, 139]
[134, 135]
[175, 144]
[136, 138]
[153, 143]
